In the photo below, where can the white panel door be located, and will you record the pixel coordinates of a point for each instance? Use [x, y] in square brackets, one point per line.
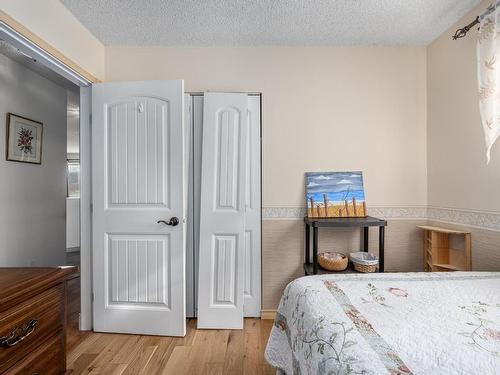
[222, 211]
[138, 260]
[252, 289]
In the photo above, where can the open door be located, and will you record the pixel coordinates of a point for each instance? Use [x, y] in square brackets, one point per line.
[222, 211]
[138, 208]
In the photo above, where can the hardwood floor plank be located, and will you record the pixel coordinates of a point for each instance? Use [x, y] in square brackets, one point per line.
[235, 353]
[141, 361]
[200, 352]
[178, 362]
[82, 363]
[232, 352]
[81, 348]
[129, 349]
[214, 343]
[252, 364]
[159, 359]
[103, 360]
[214, 369]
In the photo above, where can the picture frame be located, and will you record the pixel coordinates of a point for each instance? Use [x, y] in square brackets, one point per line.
[335, 194]
[24, 139]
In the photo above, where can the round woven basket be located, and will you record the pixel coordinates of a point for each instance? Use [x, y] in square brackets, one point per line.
[364, 262]
[333, 261]
[364, 268]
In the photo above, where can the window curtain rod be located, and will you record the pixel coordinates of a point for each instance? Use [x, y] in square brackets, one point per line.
[460, 33]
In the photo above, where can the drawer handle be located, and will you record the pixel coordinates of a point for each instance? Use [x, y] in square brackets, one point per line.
[18, 334]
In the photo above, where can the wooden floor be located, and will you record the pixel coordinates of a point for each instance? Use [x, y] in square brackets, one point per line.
[200, 352]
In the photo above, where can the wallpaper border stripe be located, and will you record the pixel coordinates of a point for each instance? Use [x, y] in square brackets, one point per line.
[409, 212]
[477, 219]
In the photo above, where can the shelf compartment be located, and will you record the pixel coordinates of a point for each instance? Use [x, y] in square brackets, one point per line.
[449, 267]
[440, 253]
[308, 269]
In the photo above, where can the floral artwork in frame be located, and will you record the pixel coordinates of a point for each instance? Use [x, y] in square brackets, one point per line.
[335, 194]
[24, 139]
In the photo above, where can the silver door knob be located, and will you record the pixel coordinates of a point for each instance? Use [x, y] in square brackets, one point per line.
[172, 222]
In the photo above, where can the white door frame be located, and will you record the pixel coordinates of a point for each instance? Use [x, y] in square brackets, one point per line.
[26, 46]
[85, 210]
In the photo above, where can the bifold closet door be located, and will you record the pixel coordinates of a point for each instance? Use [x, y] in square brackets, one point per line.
[252, 283]
[189, 182]
[138, 208]
[252, 279]
[222, 211]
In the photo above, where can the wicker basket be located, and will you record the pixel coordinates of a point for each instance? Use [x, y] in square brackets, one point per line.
[364, 262]
[363, 268]
[333, 261]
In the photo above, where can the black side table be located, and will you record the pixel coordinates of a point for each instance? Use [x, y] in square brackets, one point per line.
[342, 222]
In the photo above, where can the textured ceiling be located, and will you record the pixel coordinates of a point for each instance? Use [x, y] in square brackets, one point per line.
[268, 22]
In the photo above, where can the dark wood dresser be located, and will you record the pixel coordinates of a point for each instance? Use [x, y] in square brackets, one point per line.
[33, 320]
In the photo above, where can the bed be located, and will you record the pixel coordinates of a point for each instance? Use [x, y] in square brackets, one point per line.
[409, 323]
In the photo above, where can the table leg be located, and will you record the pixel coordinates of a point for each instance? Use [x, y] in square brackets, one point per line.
[308, 244]
[315, 250]
[381, 239]
[365, 239]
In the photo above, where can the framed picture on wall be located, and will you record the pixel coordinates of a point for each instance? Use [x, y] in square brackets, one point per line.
[24, 139]
[335, 194]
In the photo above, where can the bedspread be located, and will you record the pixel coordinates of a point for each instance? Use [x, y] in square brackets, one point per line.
[408, 323]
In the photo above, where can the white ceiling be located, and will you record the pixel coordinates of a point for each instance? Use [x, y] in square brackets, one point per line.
[268, 22]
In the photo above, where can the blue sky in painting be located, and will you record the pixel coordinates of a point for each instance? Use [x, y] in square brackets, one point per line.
[338, 186]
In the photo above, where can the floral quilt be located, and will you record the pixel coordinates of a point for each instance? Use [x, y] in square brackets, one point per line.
[409, 323]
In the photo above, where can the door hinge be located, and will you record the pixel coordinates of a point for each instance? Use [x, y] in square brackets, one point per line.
[91, 208]
[92, 296]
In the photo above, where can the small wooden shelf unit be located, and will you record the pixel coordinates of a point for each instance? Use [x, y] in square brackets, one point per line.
[439, 256]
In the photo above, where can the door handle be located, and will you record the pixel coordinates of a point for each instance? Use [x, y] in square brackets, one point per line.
[173, 221]
[18, 334]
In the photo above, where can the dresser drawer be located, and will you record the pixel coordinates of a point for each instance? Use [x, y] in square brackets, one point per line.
[34, 319]
[48, 359]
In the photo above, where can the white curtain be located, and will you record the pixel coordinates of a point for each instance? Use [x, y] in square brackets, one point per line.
[488, 54]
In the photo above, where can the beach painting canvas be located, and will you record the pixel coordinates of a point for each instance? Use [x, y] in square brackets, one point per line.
[335, 194]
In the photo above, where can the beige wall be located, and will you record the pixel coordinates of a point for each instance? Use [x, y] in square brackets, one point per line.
[53, 22]
[458, 176]
[323, 109]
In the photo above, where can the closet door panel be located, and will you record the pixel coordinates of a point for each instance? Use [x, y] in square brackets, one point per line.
[222, 211]
[188, 175]
[197, 146]
[252, 285]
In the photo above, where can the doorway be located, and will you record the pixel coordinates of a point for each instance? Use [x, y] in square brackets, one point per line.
[64, 152]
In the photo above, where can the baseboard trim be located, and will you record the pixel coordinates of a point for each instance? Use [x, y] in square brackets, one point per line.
[268, 314]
